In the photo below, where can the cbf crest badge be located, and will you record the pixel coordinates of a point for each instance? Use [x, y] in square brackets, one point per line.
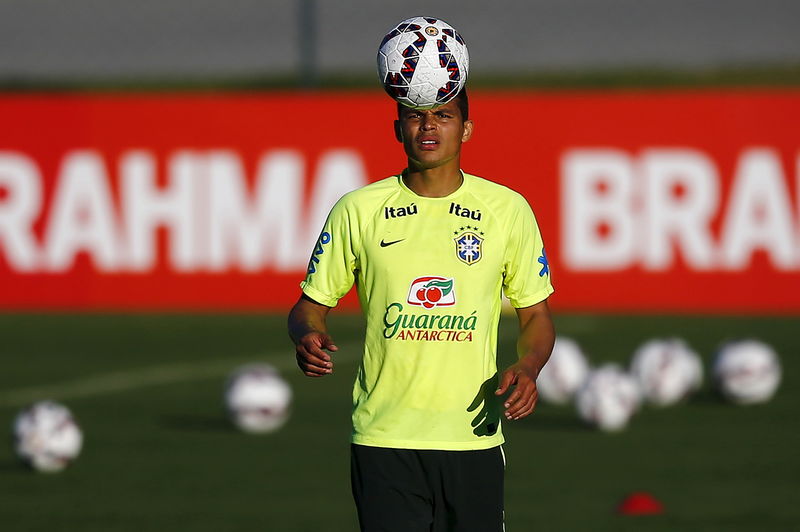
[469, 244]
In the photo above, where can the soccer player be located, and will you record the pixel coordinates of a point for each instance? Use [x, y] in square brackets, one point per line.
[429, 252]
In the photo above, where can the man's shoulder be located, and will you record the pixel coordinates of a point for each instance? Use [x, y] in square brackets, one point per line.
[493, 192]
[371, 193]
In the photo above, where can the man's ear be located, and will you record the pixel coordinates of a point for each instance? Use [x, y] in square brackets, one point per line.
[468, 127]
[398, 131]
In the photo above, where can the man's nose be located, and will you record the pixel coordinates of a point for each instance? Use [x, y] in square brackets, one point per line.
[428, 121]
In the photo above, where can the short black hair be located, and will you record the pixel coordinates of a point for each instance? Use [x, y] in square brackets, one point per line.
[461, 99]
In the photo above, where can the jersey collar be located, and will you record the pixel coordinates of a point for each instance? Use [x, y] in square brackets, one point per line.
[465, 179]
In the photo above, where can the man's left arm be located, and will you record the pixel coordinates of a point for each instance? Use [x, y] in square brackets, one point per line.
[534, 346]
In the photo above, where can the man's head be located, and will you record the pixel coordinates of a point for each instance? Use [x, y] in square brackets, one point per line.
[433, 137]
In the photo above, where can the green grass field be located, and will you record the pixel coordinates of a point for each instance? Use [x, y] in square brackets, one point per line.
[159, 455]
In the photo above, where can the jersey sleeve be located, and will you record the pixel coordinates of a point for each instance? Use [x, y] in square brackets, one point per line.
[526, 273]
[331, 269]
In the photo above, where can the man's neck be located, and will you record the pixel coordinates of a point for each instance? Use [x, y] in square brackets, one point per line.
[433, 182]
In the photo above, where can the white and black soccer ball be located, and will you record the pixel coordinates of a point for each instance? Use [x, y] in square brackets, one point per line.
[747, 371]
[667, 371]
[257, 398]
[46, 436]
[564, 372]
[608, 398]
[423, 62]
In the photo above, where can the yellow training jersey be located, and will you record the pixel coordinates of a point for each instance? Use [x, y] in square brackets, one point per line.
[429, 272]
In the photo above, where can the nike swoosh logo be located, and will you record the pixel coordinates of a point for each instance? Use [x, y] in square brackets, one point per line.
[386, 244]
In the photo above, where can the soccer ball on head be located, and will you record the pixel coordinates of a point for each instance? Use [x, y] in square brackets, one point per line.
[747, 371]
[423, 62]
[46, 436]
[257, 398]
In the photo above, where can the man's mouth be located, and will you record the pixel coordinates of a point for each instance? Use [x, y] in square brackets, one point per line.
[428, 144]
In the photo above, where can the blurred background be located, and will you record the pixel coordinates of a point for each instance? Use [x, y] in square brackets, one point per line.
[247, 43]
[165, 168]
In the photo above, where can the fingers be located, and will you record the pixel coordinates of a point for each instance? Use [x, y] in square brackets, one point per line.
[329, 345]
[507, 380]
[522, 402]
[326, 343]
[312, 365]
[312, 359]
[315, 345]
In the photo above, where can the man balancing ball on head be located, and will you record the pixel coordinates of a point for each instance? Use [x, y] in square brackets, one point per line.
[430, 251]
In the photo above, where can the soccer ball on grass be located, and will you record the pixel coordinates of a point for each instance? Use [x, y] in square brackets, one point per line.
[608, 398]
[747, 371]
[257, 398]
[46, 436]
[564, 372]
[666, 371]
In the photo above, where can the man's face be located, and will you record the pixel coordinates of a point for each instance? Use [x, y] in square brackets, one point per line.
[433, 137]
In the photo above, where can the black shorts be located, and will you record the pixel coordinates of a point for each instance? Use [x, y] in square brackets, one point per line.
[406, 490]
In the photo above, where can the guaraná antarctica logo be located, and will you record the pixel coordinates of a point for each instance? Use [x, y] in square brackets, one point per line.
[429, 292]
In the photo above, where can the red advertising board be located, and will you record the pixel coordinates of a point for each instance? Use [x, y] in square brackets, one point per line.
[676, 201]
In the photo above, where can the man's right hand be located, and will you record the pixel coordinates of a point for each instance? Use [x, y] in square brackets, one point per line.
[311, 354]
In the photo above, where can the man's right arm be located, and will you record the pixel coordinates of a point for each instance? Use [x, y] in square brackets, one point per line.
[309, 332]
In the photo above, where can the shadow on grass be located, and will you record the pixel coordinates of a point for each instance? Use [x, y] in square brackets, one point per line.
[14, 467]
[550, 422]
[196, 423]
[706, 397]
